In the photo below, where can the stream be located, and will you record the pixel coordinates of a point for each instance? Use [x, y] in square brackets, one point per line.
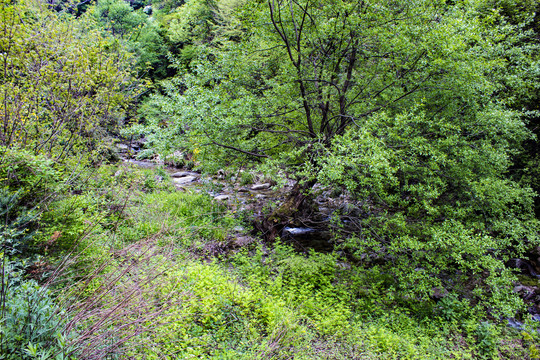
[251, 198]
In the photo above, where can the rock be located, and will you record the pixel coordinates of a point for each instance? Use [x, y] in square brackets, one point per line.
[222, 197]
[515, 324]
[260, 196]
[243, 189]
[141, 164]
[221, 174]
[297, 231]
[122, 146]
[239, 229]
[184, 180]
[261, 186]
[184, 174]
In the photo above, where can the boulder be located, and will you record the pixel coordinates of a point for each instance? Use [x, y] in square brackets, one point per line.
[222, 197]
[261, 186]
[180, 174]
[184, 180]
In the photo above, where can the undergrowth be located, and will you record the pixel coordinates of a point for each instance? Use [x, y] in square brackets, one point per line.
[124, 273]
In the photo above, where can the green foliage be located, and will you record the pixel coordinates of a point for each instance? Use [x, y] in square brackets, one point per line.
[193, 219]
[246, 178]
[61, 81]
[413, 183]
[452, 308]
[34, 177]
[139, 33]
[216, 317]
[18, 227]
[422, 139]
[118, 17]
[28, 183]
[31, 323]
[202, 21]
[486, 340]
[307, 283]
[412, 111]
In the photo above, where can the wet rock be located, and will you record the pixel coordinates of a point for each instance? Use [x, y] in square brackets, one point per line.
[222, 197]
[515, 324]
[184, 180]
[297, 231]
[524, 266]
[325, 210]
[141, 164]
[257, 187]
[526, 292]
[180, 174]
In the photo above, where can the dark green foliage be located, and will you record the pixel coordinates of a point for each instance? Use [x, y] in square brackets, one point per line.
[18, 225]
[421, 115]
[487, 342]
[34, 177]
[31, 324]
[141, 35]
[410, 116]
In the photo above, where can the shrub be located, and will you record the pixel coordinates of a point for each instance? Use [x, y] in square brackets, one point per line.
[31, 323]
[34, 177]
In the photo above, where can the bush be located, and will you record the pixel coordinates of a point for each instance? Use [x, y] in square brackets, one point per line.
[31, 323]
[34, 177]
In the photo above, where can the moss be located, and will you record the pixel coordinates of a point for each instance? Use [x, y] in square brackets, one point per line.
[528, 280]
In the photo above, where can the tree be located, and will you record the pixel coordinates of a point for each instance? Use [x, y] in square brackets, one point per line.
[396, 103]
[62, 83]
[138, 32]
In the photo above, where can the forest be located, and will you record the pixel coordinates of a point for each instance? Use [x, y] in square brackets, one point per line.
[269, 179]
